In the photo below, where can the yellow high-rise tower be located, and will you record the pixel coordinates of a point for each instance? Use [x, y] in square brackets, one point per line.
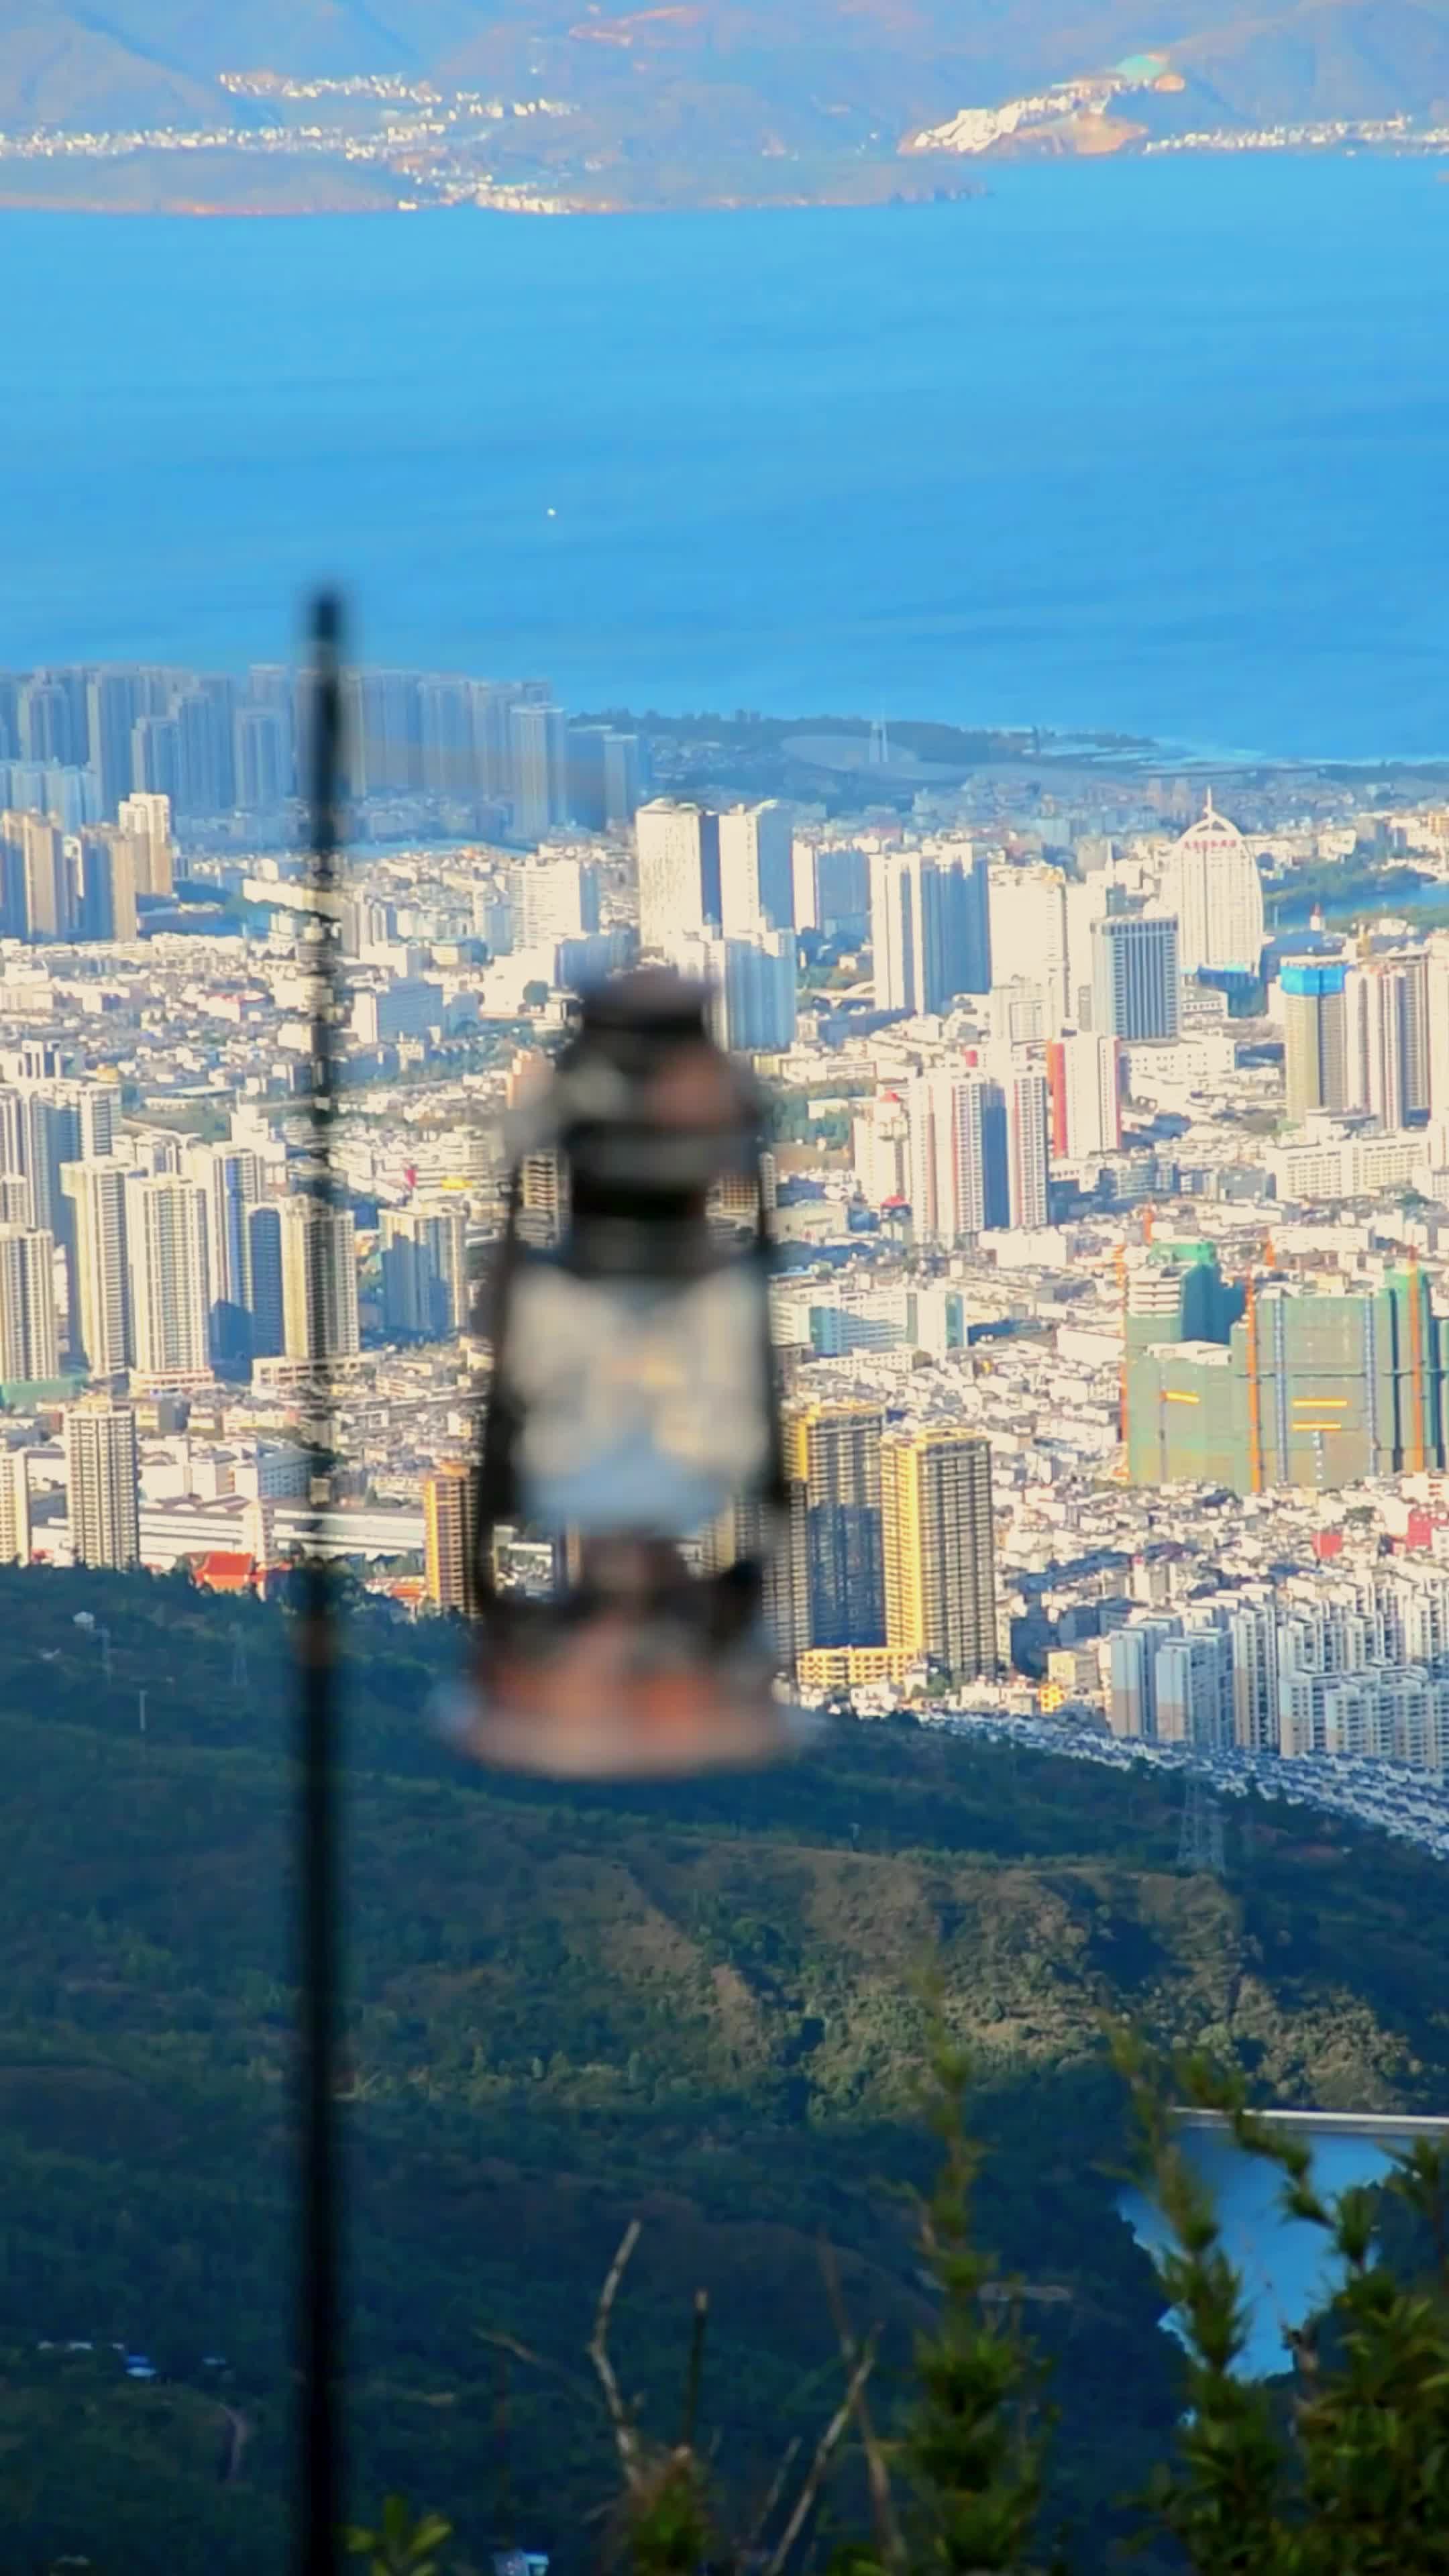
[940, 1577]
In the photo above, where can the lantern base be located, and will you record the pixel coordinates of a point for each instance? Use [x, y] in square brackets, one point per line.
[600, 1705]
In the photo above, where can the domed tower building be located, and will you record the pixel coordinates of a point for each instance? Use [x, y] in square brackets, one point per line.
[1212, 885]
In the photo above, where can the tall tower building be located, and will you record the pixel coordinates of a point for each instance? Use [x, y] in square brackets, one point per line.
[929, 927]
[231, 1180]
[1386, 1035]
[538, 740]
[1135, 977]
[264, 1255]
[1084, 1076]
[679, 873]
[832, 1451]
[170, 1291]
[47, 879]
[107, 906]
[147, 816]
[100, 1290]
[753, 982]
[424, 1271]
[940, 1583]
[1028, 1152]
[756, 877]
[14, 1508]
[959, 1171]
[1029, 934]
[1315, 1035]
[1213, 886]
[1436, 1012]
[450, 1538]
[101, 1475]
[319, 1281]
[27, 1305]
[111, 710]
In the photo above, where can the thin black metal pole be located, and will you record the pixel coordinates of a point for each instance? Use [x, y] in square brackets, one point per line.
[319, 2322]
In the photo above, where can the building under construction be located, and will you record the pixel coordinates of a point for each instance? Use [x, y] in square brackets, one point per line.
[1301, 1387]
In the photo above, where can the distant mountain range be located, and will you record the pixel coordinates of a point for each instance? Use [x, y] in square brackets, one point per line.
[661, 97]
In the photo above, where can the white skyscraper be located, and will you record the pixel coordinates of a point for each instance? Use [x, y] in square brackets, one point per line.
[1029, 935]
[1085, 1074]
[756, 886]
[959, 1183]
[170, 1277]
[881, 1150]
[27, 1304]
[678, 848]
[1212, 884]
[538, 749]
[100, 1278]
[319, 1281]
[929, 928]
[554, 898]
[1387, 1036]
[100, 1458]
[1028, 1149]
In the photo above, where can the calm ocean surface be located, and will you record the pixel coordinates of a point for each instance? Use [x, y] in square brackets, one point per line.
[1160, 446]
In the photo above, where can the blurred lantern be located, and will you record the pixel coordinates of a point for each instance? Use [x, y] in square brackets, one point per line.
[628, 1485]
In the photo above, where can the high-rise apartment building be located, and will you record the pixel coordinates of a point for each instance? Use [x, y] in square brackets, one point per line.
[1436, 1014]
[424, 1271]
[538, 741]
[1315, 1035]
[756, 876]
[679, 887]
[106, 907]
[832, 1453]
[94, 1192]
[450, 1537]
[48, 908]
[28, 1350]
[1386, 1036]
[753, 982]
[1028, 1150]
[960, 1183]
[111, 710]
[1084, 1076]
[103, 1483]
[1135, 977]
[937, 1544]
[929, 928]
[1194, 1690]
[553, 899]
[319, 1281]
[166, 1244]
[264, 1258]
[232, 1181]
[14, 1508]
[146, 815]
[1029, 935]
[1213, 886]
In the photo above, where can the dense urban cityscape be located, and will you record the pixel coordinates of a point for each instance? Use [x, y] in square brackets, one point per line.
[1112, 1304]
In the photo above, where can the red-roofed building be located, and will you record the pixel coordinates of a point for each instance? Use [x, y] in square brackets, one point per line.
[226, 1569]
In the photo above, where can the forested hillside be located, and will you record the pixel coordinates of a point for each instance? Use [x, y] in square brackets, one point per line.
[697, 2005]
[711, 77]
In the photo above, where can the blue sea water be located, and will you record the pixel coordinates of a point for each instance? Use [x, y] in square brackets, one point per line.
[1158, 446]
[1285, 2266]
